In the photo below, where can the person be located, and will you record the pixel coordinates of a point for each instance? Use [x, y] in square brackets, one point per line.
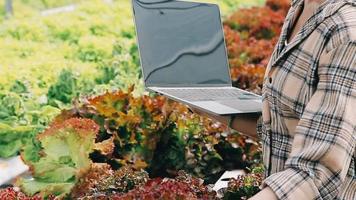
[308, 122]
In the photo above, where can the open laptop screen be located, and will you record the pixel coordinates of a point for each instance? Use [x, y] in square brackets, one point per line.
[181, 43]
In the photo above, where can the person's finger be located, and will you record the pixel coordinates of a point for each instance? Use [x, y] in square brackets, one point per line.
[190, 109]
[196, 111]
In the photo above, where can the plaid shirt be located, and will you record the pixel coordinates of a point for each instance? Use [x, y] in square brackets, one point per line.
[308, 123]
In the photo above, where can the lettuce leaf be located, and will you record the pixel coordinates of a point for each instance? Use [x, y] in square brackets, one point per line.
[63, 157]
[57, 189]
[12, 138]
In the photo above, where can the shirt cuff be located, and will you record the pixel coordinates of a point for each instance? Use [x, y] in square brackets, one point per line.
[291, 184]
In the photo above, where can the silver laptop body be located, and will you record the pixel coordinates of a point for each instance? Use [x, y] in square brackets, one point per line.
[183, 56]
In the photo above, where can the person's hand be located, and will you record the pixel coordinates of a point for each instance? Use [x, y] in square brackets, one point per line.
[243, 123]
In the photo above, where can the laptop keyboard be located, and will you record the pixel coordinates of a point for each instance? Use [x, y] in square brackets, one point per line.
[207, 94]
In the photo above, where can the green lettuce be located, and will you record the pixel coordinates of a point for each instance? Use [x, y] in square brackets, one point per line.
[12, 138]
[60, 157]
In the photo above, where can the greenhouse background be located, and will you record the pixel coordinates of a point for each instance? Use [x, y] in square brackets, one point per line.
[74, 108]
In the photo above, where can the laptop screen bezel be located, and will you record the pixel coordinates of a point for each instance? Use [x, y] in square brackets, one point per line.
[146, 84]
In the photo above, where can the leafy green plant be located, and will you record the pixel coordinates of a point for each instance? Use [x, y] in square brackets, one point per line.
[134, 123]
[188, 144]
[244, 186]
[101, 181]
[64, 90]
[13, 138]
[62, 159]
[161, 136]
[94, 48]
[183, 186]
[20, 119]
[19, 87]
[11, 106]
[123, 70]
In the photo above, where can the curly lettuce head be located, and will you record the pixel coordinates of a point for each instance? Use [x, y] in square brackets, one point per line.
[63, 157]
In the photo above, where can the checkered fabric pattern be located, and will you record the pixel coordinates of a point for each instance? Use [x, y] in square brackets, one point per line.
[308, 123]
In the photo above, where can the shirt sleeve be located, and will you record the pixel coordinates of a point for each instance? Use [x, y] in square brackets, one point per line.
[324, 140]
[259, 127]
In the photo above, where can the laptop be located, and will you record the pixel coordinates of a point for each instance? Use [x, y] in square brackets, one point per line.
[183, 56]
